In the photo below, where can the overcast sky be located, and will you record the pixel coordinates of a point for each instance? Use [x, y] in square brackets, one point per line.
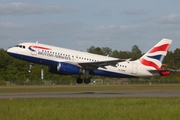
[80, 24]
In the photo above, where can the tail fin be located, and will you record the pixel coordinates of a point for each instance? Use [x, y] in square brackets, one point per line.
[155, 56]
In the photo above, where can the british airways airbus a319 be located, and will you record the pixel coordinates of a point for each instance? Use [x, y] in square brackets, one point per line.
[66, 61]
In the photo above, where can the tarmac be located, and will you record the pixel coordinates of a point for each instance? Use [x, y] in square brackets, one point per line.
[111, 94]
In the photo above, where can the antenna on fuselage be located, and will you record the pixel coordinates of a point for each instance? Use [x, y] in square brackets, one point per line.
[36, 41]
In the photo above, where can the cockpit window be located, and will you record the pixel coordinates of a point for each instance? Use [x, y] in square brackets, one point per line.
[20, 46]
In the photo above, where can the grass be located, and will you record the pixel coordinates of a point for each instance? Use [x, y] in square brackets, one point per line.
[130, 108]
[90, 109]
[79, 88]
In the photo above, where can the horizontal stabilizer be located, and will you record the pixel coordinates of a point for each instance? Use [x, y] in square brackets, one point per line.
[161, 72]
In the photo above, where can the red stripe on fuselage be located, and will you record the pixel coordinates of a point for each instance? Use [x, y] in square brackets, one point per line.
[164, 47]
[44, 48]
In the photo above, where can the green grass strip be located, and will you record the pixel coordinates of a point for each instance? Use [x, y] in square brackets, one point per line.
[159, 108]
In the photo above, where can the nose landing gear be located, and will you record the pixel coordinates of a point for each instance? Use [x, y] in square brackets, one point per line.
[30, 67]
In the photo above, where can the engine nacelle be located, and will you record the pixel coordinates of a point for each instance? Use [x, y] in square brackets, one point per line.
[53, 70]
[66, 68]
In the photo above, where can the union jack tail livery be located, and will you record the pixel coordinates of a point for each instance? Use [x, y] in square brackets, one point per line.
[155, 56]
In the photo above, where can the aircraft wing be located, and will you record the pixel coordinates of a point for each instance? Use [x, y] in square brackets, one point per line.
[95, 65]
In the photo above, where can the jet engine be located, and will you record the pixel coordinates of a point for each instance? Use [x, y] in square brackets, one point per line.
[66, 68]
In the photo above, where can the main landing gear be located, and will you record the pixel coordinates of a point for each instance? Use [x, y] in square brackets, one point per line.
[87, 80]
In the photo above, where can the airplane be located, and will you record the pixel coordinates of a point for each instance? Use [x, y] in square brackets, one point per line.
[67, 61]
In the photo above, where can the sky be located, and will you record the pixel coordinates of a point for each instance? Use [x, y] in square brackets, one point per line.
[80, 24]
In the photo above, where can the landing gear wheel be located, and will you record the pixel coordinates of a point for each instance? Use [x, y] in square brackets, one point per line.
[79, 81]
[29, 71]
[87, 80]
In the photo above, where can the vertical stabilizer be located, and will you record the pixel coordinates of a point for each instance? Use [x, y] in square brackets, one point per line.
[155, 56]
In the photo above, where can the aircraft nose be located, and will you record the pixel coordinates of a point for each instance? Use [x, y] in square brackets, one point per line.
[10, 51]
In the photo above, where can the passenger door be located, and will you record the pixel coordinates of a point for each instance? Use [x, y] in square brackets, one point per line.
[134, 68]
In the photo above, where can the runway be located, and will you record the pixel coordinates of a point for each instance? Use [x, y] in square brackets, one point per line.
[136, 93]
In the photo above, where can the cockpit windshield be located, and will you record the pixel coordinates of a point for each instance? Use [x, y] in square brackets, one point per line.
[20, 46]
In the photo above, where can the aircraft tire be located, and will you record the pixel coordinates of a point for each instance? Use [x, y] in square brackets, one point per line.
[87, 80]
[29, 71]
[79, 81]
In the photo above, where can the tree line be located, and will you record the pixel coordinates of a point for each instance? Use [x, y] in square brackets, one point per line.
[12, 69]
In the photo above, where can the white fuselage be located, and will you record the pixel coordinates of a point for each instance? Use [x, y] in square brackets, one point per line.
[51, 56]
